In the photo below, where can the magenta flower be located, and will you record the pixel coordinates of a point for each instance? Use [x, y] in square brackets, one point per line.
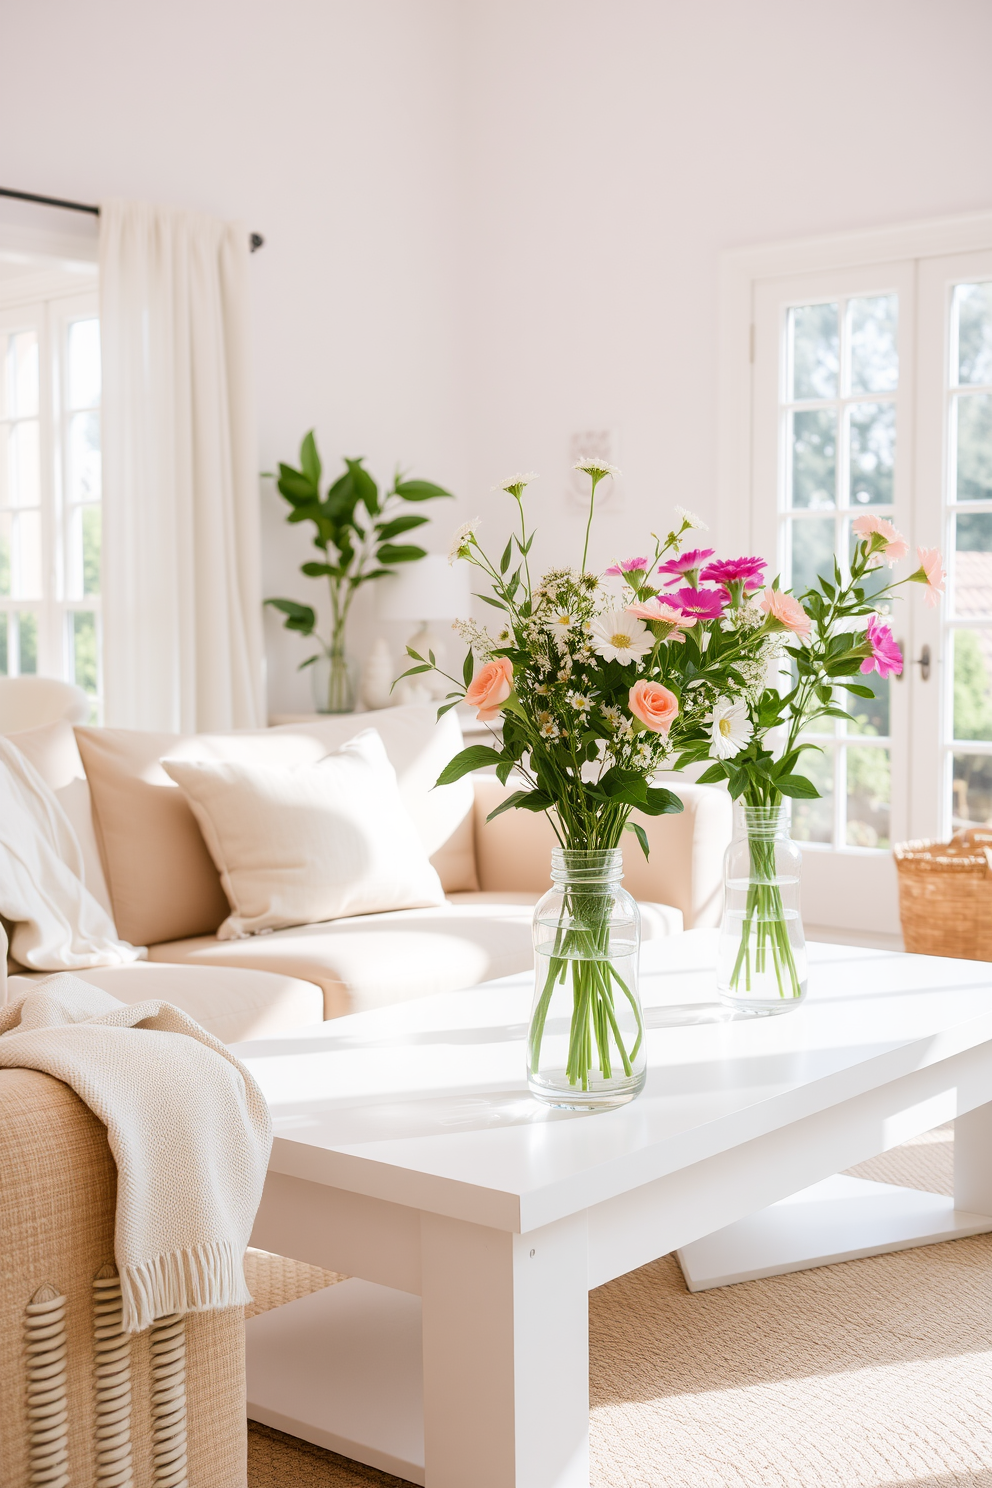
[705, 604]
[886, 658]
[686, 566]
[626, 566]
[747, 571]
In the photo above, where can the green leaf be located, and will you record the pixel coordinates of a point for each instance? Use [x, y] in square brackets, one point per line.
[316, 570]
[399, 553]
[309, 459]
[504, 562]
[487, 599]
[712, 775]
[388, 530]
[642, 838]
[309, 662]
[797, 786]
[296, 487]
[298, 617]
[660, 802]
[420, 490]
[475, 757]
[525, 800]
[468, 667]
[857, 689]
[365, 488]
[504, 770]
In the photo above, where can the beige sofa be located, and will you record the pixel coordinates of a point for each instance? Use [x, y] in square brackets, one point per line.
[147, 863]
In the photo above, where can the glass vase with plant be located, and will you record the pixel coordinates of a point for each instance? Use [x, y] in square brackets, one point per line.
[355, 532]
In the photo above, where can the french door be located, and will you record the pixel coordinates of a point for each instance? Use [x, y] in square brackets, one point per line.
[872, 392]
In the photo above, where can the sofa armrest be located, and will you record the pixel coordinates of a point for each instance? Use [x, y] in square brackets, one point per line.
[685, 868]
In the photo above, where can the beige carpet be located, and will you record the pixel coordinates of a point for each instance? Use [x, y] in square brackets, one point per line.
[873, 1374]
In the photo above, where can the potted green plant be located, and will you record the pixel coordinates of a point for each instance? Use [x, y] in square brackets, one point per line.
[355, 531]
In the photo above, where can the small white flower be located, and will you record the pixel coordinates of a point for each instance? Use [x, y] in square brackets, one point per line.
[689, 519]
[542, 690]
[514, 484]
[462, 539]
[580, 702]
[547, 727]
[620, 636]
[561, 622]
[731, 728]
[594, 466]
[612, 715]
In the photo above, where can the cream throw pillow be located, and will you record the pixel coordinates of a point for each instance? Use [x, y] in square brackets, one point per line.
[295, 845]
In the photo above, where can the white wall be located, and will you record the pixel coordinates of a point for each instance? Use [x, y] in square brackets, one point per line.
[491, 225]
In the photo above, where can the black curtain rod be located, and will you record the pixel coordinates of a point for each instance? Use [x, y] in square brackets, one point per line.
[255, 240]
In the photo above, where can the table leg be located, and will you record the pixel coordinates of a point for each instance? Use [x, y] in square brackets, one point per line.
[506, 1355]
[973, 1161]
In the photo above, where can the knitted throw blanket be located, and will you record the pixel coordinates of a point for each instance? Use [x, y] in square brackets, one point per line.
[188, 1127]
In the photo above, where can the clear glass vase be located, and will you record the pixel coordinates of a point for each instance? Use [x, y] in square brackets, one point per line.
[331, 682]
[585, 1047]
[762, 956]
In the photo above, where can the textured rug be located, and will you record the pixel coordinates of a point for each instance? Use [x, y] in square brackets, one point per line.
[871, 1374]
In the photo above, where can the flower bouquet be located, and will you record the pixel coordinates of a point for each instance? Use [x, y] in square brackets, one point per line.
[602, 680]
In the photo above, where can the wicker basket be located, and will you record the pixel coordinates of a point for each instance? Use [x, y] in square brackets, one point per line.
[945, 895]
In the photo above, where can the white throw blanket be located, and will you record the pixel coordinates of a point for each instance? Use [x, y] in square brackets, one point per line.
[57, 923]
[187, 1125]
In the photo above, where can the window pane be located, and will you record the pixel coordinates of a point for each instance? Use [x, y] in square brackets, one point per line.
[972, 571]
[21, 379]
[974, 447]
[868, 797]
[24, 465]
[871, 715]
[6, 522]
[874, 361]
[26, 545]
[815, 351]
[84, 363]
[972, 799]
[973, 305]
[814, 458]
[873, 449]
[84, 651]
[813, 821]
[84, 457]
[27, 640]
[812, 551]
[972, 671]
[91, 549]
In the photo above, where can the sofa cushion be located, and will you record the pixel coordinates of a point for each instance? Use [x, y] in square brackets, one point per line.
[373, 960]
[163, 884]
[305, 843]
[230, 1004]
[53, 751]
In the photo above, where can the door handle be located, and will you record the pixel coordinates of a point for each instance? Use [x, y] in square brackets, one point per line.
[923, 661]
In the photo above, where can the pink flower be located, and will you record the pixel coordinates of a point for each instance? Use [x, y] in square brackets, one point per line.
[747, 571]
[885, 658]
[654, 706]
[703, 604]
[785, 613]
[663, 610]
[490, 688]
[884, 543]
[686, 565]
[930, 572]
[626, 566]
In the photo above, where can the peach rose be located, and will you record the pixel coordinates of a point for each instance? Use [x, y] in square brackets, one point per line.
[654, 705]
[788, 612]
[490, 688]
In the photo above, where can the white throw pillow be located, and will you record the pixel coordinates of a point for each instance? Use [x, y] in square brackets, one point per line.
[295, 845]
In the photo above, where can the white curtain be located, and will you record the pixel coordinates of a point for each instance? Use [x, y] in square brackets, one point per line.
[182, 630]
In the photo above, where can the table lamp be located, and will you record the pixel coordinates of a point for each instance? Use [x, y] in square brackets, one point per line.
[428, 590]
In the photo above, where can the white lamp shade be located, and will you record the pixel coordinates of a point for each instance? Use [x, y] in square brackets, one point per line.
[429, 589]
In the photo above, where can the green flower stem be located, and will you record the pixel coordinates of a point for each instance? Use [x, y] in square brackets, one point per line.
[766, 925]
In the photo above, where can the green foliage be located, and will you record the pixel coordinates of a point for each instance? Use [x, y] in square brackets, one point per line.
[354, 527]
[972, 699]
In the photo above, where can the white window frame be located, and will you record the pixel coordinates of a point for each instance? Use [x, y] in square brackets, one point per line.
[50, 302]
[843, 886]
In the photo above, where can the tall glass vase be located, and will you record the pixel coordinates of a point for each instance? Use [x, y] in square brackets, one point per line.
[762, 956]
[585, 1047]
[331, 682]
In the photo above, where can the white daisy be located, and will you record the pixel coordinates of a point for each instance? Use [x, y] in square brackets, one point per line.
[514, 484]
[547, 727]
[730, 728]
[620, 636]
[561, 622]
[689, 519]
[580, 702]
[594, 466]
[462, 539]
[612, 715]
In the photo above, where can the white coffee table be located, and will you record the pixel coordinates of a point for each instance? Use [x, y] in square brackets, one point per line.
[474, 1221]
